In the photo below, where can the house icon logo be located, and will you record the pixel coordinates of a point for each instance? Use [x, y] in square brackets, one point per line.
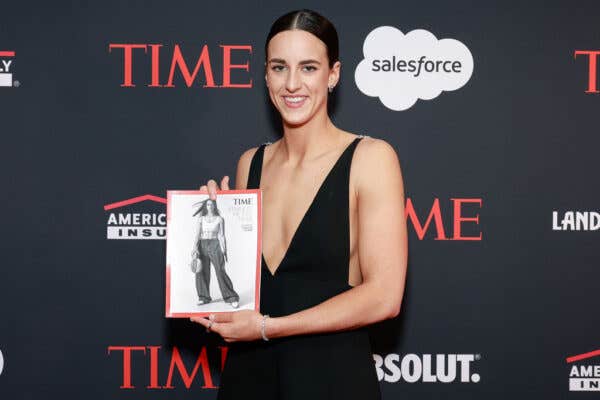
[141, 217]
[583, 375]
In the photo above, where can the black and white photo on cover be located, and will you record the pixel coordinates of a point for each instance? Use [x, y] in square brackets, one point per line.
[213, 252]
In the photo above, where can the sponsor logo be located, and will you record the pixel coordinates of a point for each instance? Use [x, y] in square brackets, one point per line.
[575, 221]
[196, 68]
[428, 368]
[7, 59]
[584, 376]
[1, 362]
[464, 222]
[592, 57]
[146, 222]
[150, 359]
[402, 68]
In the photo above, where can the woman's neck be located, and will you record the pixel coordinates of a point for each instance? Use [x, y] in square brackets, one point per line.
[310, 139]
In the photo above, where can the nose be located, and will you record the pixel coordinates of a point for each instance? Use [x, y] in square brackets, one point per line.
[293, 81]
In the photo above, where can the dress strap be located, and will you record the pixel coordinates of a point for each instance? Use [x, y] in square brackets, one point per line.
[256, 164]
[256, 168]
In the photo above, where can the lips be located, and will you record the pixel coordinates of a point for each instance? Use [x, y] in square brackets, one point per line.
[294, 101]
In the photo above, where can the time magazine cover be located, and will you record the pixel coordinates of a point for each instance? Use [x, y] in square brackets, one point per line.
[213, 252]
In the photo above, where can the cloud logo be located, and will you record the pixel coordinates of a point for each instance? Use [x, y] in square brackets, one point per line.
[400, 69]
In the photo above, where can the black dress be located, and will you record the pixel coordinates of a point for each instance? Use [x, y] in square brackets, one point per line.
[315, 268]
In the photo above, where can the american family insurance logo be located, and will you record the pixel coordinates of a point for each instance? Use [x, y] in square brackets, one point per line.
[402, 68]
[427, 368]
[141, 217]
[592, 68]
[7, 59]
[575, 221]
[197, 68]
[584, 376]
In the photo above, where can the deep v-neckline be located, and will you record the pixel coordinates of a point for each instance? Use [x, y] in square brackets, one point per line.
[306, 213]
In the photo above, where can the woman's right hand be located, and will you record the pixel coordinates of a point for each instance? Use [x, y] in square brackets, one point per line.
[211, 187]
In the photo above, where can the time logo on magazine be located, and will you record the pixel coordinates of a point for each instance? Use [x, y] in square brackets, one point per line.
[141, 217]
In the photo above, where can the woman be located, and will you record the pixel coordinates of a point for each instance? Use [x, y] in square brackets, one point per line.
[334, 237]
[210, 247]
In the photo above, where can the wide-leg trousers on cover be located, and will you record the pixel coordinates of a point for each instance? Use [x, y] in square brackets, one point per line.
[209, 252]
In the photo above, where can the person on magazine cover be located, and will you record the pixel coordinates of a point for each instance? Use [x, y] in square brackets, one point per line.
[211, 248]
[334, 236]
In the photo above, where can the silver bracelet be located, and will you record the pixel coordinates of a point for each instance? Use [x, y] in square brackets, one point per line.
[262, 328]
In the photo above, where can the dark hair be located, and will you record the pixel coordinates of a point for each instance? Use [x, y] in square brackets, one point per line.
[311, 22]
[203, 210]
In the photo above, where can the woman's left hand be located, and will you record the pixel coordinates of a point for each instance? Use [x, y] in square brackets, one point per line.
[239, 326]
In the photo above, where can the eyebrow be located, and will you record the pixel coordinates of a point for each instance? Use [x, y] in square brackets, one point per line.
[303, 62]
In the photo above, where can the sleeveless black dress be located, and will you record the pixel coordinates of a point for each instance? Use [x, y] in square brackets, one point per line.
[315, 268]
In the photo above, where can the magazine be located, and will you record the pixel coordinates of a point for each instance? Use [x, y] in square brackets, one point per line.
[213, 252]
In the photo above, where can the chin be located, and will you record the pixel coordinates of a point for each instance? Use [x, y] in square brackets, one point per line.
[295, 122]
[295, 118]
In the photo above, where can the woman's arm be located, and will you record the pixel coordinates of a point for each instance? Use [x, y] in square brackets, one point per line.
[197, 240]
[221, 236]
[243, 168]
[382, 249]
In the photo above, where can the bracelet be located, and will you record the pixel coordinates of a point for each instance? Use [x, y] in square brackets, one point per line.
[262, 328]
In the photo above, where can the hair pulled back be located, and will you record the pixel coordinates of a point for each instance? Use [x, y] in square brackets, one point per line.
[311, 22]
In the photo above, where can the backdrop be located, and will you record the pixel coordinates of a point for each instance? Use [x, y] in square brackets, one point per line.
[492, 107]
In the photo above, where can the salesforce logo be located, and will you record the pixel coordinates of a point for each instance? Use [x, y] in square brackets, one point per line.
[402, 68]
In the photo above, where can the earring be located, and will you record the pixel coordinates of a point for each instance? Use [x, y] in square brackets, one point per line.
[330, 88]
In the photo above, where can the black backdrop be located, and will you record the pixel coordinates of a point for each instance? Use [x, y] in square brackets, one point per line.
[518, 142]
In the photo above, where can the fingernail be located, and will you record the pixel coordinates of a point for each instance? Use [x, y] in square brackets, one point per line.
[211, 317]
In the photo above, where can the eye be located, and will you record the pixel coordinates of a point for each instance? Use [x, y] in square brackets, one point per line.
[309, 68]
[278, 68]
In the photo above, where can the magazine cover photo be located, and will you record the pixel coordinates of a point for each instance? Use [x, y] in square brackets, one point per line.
[213, 252]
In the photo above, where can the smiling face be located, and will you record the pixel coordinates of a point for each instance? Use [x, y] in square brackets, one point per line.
[298, 76]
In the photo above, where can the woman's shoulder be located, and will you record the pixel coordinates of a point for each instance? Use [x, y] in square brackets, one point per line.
[371, 148]
[247, 156]
[375, 157]
[243, 166]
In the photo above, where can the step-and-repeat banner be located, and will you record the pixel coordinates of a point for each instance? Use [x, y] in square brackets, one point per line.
[492, 107]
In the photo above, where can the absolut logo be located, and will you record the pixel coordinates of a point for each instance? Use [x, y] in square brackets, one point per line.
[428, 368]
